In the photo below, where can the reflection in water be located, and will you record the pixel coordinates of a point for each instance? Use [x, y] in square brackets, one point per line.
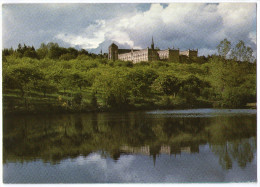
[241, 151]
[232, 138]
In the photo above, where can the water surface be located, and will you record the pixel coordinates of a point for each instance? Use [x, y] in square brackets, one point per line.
[198, 145]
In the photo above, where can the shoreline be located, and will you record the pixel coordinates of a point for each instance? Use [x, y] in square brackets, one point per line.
[117, 110]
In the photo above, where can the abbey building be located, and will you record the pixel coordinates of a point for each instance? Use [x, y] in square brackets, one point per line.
[149, 54]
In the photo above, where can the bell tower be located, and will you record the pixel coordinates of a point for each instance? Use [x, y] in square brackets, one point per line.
[113, 52]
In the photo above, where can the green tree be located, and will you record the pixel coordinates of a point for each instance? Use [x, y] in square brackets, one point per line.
[30, 52]
[141, 79]
[55, 51]
[67, 56]
[83, 52]
[21, 76]
[191, 88]
[78, 79]
[168, 84]
[233, 82]
[61, 78]
[45, 83]
[112, 87]
[241, 52]
[42, 52]
[73, 52]
[7, 52]
[224, 47]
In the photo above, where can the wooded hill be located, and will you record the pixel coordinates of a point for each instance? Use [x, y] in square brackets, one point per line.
[57, 79]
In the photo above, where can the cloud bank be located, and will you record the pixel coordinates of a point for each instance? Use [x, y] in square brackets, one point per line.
[94, 26]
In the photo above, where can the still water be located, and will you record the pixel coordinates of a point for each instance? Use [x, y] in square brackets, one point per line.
[199, 145]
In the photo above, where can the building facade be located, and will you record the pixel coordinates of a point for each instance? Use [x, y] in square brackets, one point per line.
[148, 54]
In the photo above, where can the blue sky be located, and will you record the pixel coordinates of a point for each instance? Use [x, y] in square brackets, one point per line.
[94, 26]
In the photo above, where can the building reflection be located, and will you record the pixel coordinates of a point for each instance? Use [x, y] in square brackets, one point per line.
[53, 139]
[157, 150]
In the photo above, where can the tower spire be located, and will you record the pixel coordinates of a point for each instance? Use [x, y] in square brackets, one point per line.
[152, 45]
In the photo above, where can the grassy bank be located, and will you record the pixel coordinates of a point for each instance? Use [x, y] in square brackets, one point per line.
[62, 102]
[66, 102]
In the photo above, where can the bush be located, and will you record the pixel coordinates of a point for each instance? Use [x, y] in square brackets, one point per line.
[67, 56]
[77, 98]
[93, 101]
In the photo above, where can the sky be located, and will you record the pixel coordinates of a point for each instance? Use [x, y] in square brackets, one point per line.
[184, 168]
[95, 26]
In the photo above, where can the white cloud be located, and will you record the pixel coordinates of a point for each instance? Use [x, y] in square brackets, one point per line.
[252, 36]
[91, 38]
[120, 37]
[237, 15]
[95, 34]
[184, 25]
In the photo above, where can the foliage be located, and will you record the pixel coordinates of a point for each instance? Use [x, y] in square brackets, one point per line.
[52, 71]
[234, 83]
[241, 52]
[112, 87]
[167, 84]
[224, 48]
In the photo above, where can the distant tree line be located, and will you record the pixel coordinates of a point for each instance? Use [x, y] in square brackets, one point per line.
[50, 50]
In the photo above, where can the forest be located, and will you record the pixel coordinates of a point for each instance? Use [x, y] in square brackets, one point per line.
[54, 79]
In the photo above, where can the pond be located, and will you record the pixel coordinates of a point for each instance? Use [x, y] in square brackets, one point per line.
[165, 146]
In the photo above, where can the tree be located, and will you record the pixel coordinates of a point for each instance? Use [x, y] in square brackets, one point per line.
[233, 82]
[167, 84]
[77, 79]
[19, 48]
[73, 52]
[67, 56]
[83, 52]
[46, 86]
[93, 101]
[224, 47]
[30, 52]
[42, 52]
[241, 52]
[191, 88]
[55, 51]
[20, 78]
[60, 77]
[7, 52]
[112, 87]
[45, 83]
[141, 79]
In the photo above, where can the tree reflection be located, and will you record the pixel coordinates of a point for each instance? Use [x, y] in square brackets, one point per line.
[243, 151]
[53, 138]
[230, 139]
[224, 156]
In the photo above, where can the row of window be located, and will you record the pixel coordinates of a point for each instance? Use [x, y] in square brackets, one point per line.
[138, 57]
[164, 56]
[134, 58]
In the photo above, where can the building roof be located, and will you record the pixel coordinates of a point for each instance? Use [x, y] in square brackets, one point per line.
[122, 51]
[113, 45]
